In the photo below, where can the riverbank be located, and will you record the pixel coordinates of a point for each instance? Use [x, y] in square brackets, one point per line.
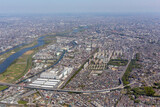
[41, 43]
[16, 70]
[14, 50]
[20, 66]
[8, 61]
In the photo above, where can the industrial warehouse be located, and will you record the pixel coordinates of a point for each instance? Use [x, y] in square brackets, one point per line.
[52, 78]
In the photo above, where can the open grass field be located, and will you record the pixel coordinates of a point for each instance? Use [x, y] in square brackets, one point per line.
[118, 62]
[29, 52]
[17, 69]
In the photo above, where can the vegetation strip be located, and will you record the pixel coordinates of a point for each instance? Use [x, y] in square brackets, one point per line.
[133, 64]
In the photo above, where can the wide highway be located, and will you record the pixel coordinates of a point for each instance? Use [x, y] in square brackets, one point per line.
[65, 90]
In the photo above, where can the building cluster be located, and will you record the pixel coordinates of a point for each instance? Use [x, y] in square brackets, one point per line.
[117, 38]
[51, 79]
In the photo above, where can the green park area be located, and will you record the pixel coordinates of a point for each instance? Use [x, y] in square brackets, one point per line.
[132, 65]
[118, 62]
[134, 93]
[149, 91]
[22, 102]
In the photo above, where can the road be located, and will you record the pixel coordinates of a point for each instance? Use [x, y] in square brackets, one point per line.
[21, 81]
[65, 90]
[75, 91]
[46, 68]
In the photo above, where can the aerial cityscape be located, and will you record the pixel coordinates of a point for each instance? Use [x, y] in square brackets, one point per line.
[79, 60]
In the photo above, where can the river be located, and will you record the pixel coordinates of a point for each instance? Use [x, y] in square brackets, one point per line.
[6, 63]
[11, 49]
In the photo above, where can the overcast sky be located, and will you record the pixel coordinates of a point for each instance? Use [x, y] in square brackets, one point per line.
[79, 6]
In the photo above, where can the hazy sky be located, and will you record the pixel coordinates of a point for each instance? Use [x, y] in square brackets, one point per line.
[79, 6]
